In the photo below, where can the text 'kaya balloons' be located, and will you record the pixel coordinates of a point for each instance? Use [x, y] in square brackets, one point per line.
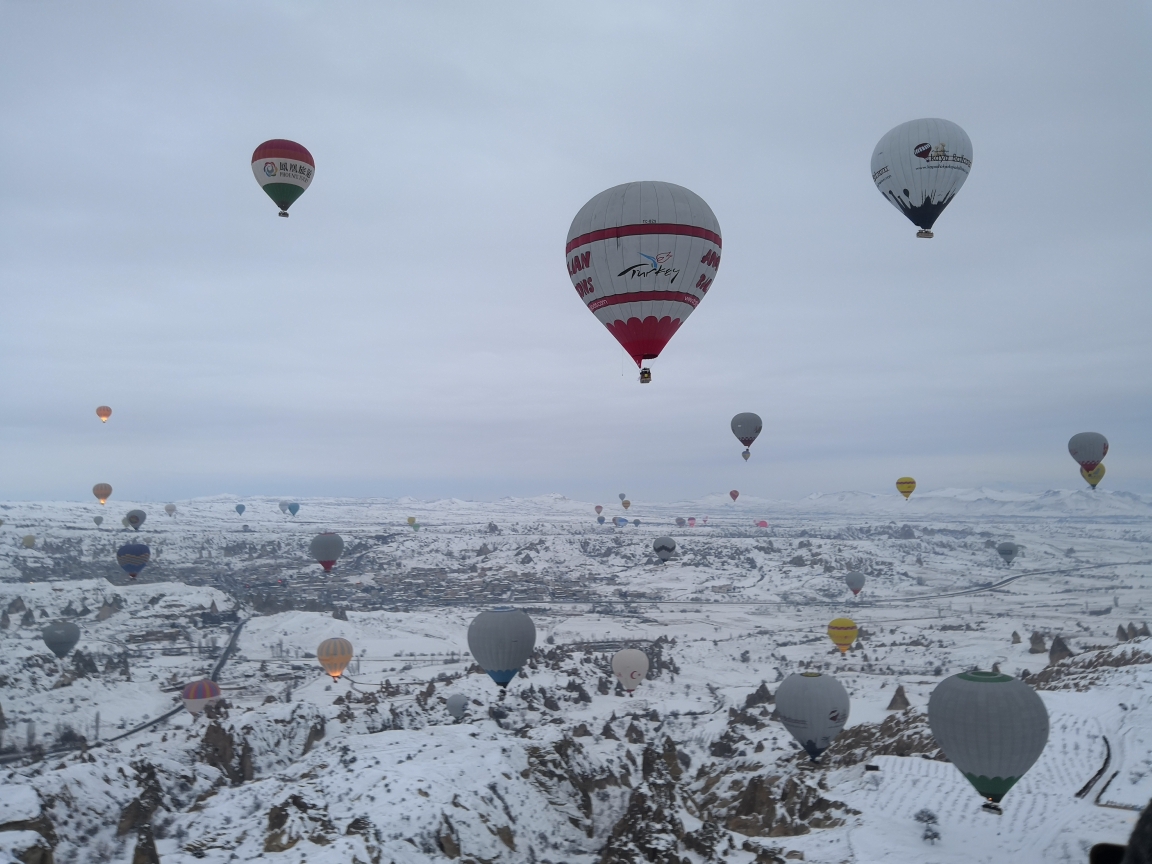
[642, 256]
[326, 548]
[992, 727]
[133, 557]
[501, 641]
[284, 169]
[103, 412]
[920, 166]
[842, 632]
[102, 491]
[61, 637]
[814, 708]
[746, 427]
[1094, 476]
[334, 655]
[198, 695]
[1088, 448]
[664, 547]
[630, 666]
[905, 486]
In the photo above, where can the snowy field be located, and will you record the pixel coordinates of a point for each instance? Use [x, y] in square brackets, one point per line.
[561, 767]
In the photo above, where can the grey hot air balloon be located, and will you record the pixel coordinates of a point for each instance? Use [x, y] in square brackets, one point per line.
[457, 705]
[622, 496]
[99, 520]
[630, 666]
[664, 547]
[240, 508]
[746, 427]
[1088, 448]
[29, 541]
[283, 506]
[1008, 551]
[61, 637]
[170, 509]
[326, 548]
[814, 708]
[501, 641]
[854, 580]
[136, 519]
[992, 727]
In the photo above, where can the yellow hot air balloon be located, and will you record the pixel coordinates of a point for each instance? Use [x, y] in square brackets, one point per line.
[1094, 476]
[103, 412]
[842, 631]
[625, 503]
[411, 520]
[906, 486]
[102, 491]
[334, 655]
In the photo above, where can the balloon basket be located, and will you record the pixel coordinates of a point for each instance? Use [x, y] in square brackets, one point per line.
[992, 808]
[645, 375]
[927, 235]
[284, 213]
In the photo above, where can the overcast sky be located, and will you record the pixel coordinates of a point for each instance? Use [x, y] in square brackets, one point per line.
[412, 330]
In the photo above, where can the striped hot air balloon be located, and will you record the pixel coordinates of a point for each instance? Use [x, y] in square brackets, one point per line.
[284, 169]
[199, 694]
[103, 412]
[842, 632]
[334, 655]
[133, 557]
[905, 486]
[102, 491]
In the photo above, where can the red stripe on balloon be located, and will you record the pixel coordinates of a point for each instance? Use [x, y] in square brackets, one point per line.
[635, 230]
[279, 148]
[642, 296]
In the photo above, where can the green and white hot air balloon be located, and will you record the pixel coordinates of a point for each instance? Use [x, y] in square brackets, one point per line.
[284, 169]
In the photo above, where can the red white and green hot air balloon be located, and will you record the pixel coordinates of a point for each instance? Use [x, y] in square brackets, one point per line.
[642, 256]
[284, 169]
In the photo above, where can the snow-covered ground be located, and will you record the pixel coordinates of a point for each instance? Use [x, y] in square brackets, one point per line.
[561, 767]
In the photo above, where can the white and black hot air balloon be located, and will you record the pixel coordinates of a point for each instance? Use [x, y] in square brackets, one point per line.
[1088, 448]
[501, 641]
[814, 708]
[664, 547]
[746, 427]
[920, 166]
[1008, 551]
[630, 666]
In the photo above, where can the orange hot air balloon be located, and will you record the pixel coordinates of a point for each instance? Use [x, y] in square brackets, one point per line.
[102, 491]
[842, 632]
[625, 503]
[103, 412]
[334, 655]
[905, 486]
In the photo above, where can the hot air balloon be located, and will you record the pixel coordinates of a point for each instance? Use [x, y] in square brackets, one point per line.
[240, 508]
[599, 509]
[198, 695]
[61, 637]
[992, 727]
[664, 547]
[814, 708]
[103, 412]
[905, 486]
[746, 427]
[457, 705]
[619, 521]
[170, 509]
[636, 522]
[691, 521]
[124, 521]
[842, 632]
[630, 665]
[733, 494]
[293, 508]
[28, 542]
[681, 521]
[855, 581]
[1088, 448]
[415, 526]
[642, 256]
[283, 506]
[1008, 551]
[326, 548]
[1094, 476]
[133, 557]
[621, 496]
[136, 519]
[411, 520]
[920, 166]
[625, 503]
[762, 524]
[600, 520]
[99, 520]
[334, 655]
[284, 170]
[102, 491]
[501, 641]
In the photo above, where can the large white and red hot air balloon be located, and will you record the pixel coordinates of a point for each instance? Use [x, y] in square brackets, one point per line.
[642, 256]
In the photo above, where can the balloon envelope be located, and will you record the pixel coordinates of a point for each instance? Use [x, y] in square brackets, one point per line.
[1094, 476]
[61, 637]
[136, 519]
[293, 508]
[641, 257]
[501, 641]
[622, 496]
[746, 455]
[102, 491]
[99, 520]
[240, 508]
[334, 655]
[920, 166]
[814, 708]
[906, 486]
[283, 506]
[733, 494]
[854, 580]
[28, 542]
[169, 509]
[842, 632]
[103, 412]
[601, 519]
[411, 520]
[284, 169]
[762, 524]
[746, 427]
[457, 705]
[630, 665]
[664, 547]
[326, 548]
[625, 503]
[992, 727]
[619, 521]
[197, 695]
[636, 522]
[691, 521]
[1088, 448]
[133, 557]
[599, 509]
[1008, 551]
